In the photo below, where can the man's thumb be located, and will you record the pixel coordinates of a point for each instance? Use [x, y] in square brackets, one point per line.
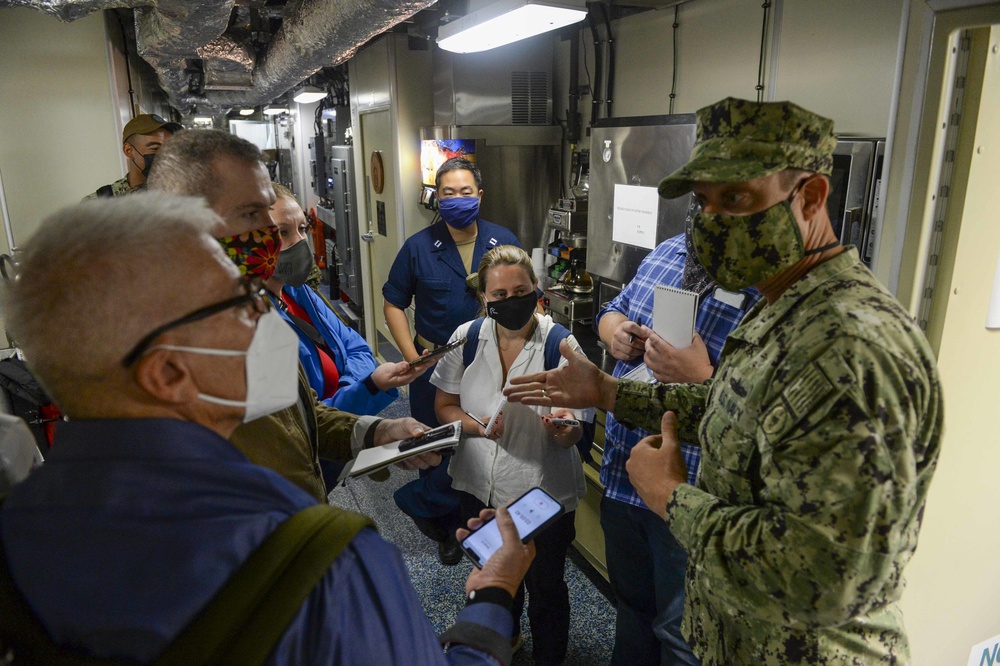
[668, 424]
[568, 352]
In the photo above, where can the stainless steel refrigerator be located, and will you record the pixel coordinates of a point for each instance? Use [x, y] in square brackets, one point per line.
[637, 151]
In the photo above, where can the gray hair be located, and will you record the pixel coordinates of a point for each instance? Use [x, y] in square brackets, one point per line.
[92, 281]
[184, 164]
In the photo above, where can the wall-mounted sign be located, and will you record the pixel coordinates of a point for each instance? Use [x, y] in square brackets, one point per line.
[435, 152]
[634, 215]
[380, 217]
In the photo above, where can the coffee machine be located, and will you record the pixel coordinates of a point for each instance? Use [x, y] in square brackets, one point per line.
[570, 300]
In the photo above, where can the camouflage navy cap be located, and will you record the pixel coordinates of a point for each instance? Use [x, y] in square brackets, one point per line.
[739, 140]
[147, 123]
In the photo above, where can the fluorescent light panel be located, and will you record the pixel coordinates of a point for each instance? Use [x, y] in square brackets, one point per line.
[309, 94]
[275, 110]
[507, 21]
[246, 112]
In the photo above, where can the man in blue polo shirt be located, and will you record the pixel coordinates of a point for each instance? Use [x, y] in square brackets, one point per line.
[645, 563]
[436, 267]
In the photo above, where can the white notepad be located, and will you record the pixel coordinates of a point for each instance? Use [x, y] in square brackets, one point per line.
[674, 313]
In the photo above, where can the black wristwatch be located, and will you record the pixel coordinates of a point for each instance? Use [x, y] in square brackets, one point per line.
[492, 595]
[371, 386]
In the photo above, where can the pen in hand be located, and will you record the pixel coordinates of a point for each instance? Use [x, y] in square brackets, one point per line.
[473, 417]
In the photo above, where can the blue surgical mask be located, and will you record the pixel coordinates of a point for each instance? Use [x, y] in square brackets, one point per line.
[459, 212]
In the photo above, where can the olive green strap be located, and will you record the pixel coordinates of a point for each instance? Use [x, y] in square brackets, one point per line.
[249, 615]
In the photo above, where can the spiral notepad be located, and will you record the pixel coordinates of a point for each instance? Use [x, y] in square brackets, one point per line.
[674, 313]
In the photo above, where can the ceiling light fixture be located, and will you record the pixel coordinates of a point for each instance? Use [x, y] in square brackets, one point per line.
[275, 110]
[309, 94]
[246, 112]
[507, 21]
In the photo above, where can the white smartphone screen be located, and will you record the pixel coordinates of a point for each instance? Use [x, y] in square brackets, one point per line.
[531, 511]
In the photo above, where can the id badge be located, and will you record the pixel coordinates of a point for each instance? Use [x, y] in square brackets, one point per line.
[735, 299]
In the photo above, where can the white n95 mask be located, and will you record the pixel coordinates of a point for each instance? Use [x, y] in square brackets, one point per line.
[272, 368]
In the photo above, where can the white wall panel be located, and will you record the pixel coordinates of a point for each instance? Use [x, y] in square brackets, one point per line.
[839, 59]
[58, 139]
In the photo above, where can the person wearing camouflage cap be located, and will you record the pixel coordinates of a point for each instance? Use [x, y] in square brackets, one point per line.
[820, 429]
[141, 138]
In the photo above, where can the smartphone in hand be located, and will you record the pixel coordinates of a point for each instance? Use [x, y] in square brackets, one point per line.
[441, 432]
[556, 421]
[532, 512]
[438, 352]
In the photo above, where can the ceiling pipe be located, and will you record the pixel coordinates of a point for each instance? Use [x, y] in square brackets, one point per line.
[71, 10]
[316, 34]
[313, 34]
[178, 28]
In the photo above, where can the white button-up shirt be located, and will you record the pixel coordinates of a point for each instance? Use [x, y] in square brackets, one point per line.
[524, 456]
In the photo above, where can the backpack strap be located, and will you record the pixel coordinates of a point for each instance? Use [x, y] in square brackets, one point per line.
[557, 334]
[471, 342]
[246, 618]
[250, 614]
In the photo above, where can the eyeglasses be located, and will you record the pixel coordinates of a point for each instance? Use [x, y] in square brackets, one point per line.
[255, 296]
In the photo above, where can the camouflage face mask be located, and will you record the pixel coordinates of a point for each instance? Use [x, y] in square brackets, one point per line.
[739, 251]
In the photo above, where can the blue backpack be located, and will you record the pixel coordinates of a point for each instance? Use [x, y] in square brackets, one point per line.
[552, 358]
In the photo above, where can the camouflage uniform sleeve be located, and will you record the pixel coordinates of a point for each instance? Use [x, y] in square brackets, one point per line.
[836, 511]
[641, 405]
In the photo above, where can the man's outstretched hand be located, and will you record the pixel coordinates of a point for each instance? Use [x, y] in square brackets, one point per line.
[579, 384]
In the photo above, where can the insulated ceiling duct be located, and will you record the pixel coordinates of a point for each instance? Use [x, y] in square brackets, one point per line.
[172, 33]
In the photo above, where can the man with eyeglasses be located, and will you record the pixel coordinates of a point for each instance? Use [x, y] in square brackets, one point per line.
[229, 174]
[144, 511]
[820, 429]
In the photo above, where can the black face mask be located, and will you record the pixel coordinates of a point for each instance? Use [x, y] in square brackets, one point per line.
[294, 264]
[148, 161]
[514, 312]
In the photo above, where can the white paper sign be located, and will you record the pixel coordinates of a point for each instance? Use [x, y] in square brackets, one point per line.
[986, 653]
[634, 217]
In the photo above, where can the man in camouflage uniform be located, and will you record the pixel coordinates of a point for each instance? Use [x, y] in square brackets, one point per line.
[141, 138]
[820, 430]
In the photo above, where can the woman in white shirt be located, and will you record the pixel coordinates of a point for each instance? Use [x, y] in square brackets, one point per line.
[525, 449]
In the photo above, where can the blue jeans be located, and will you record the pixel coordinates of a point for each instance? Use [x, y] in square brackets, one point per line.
[646, 566]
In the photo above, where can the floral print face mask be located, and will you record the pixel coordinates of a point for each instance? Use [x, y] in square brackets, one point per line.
[254, 253]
